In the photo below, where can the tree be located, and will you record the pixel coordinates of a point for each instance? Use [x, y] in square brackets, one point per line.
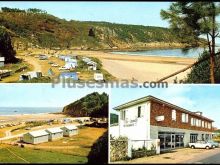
[34, 10]
[91, 32]
[6, 49]
[194, 19]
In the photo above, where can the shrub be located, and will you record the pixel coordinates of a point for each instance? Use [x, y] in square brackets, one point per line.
[118, 149]
[141, 152]
[201, 72]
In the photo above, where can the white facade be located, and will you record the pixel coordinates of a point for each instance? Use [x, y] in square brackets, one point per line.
[114, 131]
[134, 127]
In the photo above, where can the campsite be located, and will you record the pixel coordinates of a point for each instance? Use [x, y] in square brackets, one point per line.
[50, 141]
[41, 66]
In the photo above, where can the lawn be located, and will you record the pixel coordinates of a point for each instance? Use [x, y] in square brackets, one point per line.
[73, 149]
[36, 156]
[78, 145]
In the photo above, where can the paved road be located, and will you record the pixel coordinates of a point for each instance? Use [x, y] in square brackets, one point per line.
[11, 137]
[212, 157]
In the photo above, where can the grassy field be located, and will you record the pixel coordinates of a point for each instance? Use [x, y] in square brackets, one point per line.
[73, 149]
[23, 155]
[78, 145]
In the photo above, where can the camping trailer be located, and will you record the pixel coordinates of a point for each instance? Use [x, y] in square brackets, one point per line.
[30, 75]
[98, 76]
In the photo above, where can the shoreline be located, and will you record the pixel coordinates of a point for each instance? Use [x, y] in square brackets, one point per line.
[141, 68]
[25, 114]
[137, 58]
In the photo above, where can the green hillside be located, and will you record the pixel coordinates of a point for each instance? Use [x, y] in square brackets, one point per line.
[39, 29]
[92, 105]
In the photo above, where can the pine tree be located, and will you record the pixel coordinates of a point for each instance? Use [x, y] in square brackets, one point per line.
[193, 19]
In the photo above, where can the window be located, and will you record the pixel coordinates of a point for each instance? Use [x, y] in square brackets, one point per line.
[174, 115]
[192, 121]
[123, 115]
[209, 125]
[203, 124]
[139, 111]
[197, 122]
[185, 118]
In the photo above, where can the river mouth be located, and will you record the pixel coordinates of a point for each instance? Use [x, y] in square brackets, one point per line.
[165, 52]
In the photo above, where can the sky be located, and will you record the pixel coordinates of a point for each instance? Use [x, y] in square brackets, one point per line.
[204, 98]
[41, 95]
[138, 13]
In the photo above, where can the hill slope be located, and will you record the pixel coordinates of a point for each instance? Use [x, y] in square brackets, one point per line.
[45, 30]
[92, 105]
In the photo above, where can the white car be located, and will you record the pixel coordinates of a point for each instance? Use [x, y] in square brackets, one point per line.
[201, 144]
[63, 68]
[54, 65]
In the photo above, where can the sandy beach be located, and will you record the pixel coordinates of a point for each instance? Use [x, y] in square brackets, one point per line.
[28, 117]
[141, 68]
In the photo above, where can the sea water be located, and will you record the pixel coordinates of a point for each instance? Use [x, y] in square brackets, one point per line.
[187, 53]
[28, 110]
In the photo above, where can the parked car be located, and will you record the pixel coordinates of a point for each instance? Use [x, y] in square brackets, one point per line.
[63, 68]
[201, 144]
[214, 144]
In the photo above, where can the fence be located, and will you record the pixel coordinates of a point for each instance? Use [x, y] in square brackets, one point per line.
[127, 149]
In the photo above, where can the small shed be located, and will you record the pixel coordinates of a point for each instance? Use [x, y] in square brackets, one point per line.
[54, 133]
[2, 61]
[36, 137]
[69, 130]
